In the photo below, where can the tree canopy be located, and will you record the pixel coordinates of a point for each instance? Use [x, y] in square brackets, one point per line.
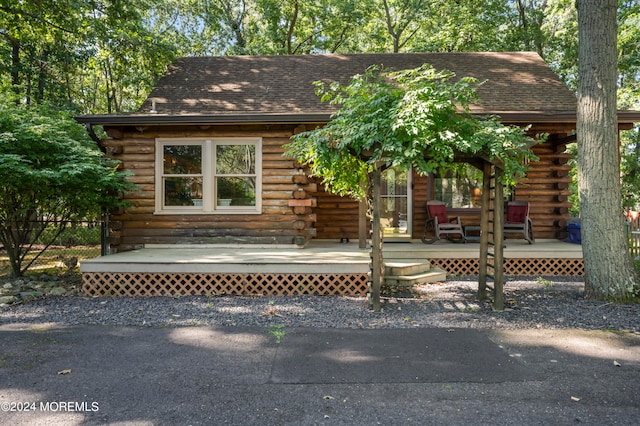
[50, 173]
[409, 118]
[103, 56]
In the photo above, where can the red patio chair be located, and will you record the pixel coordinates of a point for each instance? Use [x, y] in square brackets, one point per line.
[518, 220]
[441, 224]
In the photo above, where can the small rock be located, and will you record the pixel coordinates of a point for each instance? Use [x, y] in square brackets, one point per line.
[29, 295]
[7, 300]
[8, 286]
[58, 291]
[39, 285]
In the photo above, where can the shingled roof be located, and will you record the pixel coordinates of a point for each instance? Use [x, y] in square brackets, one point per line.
[513, 82]
[518, 86]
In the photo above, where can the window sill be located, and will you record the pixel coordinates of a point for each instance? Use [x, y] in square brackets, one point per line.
[201, 212]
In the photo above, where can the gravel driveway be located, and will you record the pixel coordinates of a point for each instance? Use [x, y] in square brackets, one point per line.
[554, 303]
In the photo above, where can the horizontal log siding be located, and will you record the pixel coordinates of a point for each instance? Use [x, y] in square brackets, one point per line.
[137, 225]
[337, 216]
[419, 205]
[546, 188]
[325, 215]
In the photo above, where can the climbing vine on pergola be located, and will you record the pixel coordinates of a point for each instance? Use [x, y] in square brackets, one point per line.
[416, 118]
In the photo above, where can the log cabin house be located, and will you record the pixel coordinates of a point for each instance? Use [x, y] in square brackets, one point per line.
[206, 153]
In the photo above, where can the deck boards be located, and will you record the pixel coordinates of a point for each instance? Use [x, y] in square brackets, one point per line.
[318, 256]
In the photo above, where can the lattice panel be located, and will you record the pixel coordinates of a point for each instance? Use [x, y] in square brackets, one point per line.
[544, 267]
[526, 267]
[174, 284]
[457, 267]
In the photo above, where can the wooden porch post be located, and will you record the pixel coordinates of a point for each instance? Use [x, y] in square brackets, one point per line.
[362, 222]
[498, 241]
[484, 230]
[492, 234]
[377, 272]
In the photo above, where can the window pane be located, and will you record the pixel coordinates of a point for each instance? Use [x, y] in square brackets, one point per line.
[236, 191]
[235, 159]
[393, 215]
[394, 183]
[182, 159]
[183, 191]
[461, 189]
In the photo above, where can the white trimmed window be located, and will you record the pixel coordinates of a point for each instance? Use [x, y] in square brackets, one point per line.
[218, 175]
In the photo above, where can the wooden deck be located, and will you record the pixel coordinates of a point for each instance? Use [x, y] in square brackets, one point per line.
[322, 267]
[317, 256]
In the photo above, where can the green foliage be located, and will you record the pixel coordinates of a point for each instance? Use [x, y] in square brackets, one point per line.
[93, 56]
[50, 173]
[574, 210]
[76, 234]
[413, 118]
[544, 282]
[104, 56]
[278, 332]
[630, 167]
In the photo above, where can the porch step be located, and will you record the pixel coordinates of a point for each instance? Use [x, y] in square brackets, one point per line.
[407, 267]
[434, 275]
[406, 253]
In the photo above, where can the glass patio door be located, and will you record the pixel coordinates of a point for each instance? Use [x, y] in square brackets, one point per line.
[395, 211]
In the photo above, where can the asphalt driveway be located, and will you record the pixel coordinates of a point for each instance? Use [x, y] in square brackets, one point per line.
[93, 375]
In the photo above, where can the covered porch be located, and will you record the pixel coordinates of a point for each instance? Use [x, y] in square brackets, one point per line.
[322, 267]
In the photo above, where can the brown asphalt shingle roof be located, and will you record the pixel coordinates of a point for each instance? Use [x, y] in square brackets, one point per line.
[514, 82]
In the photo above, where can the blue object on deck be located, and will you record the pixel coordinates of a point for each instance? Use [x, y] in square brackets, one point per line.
[575, 236]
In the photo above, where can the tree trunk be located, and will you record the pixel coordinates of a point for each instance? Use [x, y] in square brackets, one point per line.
[15, 66]
[609, 273]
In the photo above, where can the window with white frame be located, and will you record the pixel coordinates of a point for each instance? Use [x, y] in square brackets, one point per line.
[459, 188]
[218, 175]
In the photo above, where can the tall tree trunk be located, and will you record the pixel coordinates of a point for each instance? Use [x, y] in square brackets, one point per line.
[42, 76]
[15, 66]
[609, 272]
[292, 27]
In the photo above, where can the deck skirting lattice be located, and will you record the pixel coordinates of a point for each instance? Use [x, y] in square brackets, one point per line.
[218, 284]
[522, 267]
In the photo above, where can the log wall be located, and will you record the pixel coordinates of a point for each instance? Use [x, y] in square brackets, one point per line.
[287, 215]
[546, 188]
[296, 208]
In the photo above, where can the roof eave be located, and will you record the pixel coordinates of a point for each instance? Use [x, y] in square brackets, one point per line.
[625, 117]
[507, 117]
[200, 119]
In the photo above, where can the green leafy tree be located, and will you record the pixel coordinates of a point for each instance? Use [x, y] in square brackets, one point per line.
[95, 56]
[466, 25]
[631, 170]
[629, 97]
[312, 26]
[130, 46]
[50, 173]
[413, 118]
